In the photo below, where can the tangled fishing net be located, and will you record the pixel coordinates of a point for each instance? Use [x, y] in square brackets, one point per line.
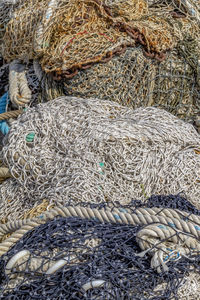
[97, 151]
[102, 260]
[69, 35]
[136, 52]
[72, 34]
[134, 80]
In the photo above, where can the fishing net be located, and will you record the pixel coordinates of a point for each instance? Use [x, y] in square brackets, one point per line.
[101, 260]
[69, 35]
[93, 150]
[3, 77]
[134, 80]
[136, 52]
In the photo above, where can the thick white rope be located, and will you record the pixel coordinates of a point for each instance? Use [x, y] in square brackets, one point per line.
[164, 225]
[20, 93]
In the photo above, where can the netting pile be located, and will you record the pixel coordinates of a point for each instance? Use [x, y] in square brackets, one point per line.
[100, 154]
[70, 34]
[91, 150]
[134, 80]
[135, 52]
[94, 260]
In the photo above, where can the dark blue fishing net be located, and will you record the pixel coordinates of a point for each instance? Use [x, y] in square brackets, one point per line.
[95, 252]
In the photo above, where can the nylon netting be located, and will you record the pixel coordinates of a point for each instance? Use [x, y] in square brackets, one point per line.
[134, 80]
[68, 35]
[94, 260]
[46, 28]
[3, 76]
[137, 53]
[81, 149]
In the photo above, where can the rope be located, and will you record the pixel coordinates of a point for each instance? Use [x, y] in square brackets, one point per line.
[20, 94]
[11, 114]
[38, 42]
[163, 224]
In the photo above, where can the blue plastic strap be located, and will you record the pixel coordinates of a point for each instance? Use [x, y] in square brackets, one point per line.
[4, 128]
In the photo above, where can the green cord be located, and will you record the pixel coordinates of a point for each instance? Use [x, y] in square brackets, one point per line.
[30, 137]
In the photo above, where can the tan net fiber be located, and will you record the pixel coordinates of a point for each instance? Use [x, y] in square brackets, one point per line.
[81, 153]
[69, 35]
[137, 53]
[134, 80]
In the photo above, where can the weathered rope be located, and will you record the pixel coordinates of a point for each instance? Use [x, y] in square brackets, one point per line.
[11, 114]
[166, 224]
[20, 94]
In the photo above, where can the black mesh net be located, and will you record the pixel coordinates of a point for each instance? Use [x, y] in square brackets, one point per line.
[74, 258]
[4, 70]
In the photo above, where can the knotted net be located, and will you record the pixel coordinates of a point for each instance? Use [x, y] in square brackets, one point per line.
[69, 35]
[135, 52]
[91, 150]
[134, 80]
[94, 260]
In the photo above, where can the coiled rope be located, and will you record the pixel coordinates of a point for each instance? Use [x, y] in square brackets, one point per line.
[165, 224]
[20, 94]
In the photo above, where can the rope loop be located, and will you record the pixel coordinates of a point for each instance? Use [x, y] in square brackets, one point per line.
[159, 227]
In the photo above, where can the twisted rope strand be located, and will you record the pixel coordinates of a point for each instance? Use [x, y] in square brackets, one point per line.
[141, 216]
[20, 93]
[11, 114]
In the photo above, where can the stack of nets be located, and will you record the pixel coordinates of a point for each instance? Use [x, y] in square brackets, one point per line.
[69, 35]
[97, 151]
[135, 52]
[95, 260]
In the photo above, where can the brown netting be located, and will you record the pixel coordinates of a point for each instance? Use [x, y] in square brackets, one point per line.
[137, 53]
[134, 80]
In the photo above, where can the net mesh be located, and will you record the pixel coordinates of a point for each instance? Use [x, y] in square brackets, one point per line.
[69, 35]
[97, 261]
[133, 80]
[89, 149]
[3, 76]
[136, 52]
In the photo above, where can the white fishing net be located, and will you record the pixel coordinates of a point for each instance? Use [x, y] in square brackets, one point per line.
[90, 150]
